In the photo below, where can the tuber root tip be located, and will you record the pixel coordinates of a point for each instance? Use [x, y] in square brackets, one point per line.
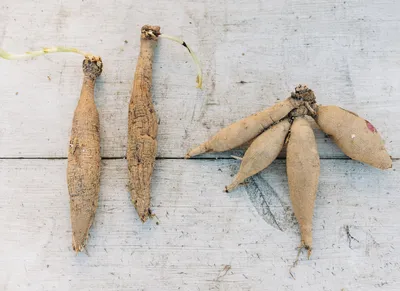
[307, 246]
[309, 251]
[236, 182]
[201, 149]
[76, 246]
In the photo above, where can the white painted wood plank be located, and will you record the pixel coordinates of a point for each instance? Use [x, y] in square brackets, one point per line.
[347, 51]
[201, 230]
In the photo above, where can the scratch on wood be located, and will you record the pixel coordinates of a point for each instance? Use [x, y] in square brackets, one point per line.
[364, 239]
[224, 271]
[371, 243]
[349, 79]
[349, 236]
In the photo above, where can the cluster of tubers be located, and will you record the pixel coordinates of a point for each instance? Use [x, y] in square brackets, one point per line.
[267, 132]
[286, 121]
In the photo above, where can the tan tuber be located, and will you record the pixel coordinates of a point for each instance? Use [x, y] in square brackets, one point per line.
[355, 136]
[142, 126]
[250, 127]
[302, 166]
[262, 152]
[83, 170]
[264, 133]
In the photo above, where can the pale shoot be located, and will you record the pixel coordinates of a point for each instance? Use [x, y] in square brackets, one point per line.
[44, 51]
[199, 79]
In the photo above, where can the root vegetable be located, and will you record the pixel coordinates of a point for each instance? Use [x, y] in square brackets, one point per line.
[262, 152]
[303, 169]
[142, 126]
[244, 130]
[142, 121]
[355, 136]
[83, 171]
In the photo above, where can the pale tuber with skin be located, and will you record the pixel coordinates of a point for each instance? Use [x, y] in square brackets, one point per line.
[302, 166]
[355, 136]
[262, 152]
[250, 127]
[262, 135]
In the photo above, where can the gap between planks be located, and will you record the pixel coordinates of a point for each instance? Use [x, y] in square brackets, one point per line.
[164, 158]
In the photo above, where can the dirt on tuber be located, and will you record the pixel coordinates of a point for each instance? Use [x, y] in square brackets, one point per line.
[83, 171]
[142, 126]
[142, 121]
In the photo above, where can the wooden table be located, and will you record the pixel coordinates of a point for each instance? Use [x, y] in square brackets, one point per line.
[253, 54]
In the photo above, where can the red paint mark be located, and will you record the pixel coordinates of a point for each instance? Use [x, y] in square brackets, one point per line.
[371, 127]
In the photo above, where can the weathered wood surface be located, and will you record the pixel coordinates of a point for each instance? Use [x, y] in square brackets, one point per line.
[201, 230]
[252, 53]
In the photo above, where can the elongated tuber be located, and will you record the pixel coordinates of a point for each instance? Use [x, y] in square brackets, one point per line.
[355, 136]
[83, 171]
[303, 169]
[142, 126]
[262, 152]
[245, 129]
[142, 121]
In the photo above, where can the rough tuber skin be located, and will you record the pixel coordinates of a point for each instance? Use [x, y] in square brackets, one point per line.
[83, 170]
[142, 126]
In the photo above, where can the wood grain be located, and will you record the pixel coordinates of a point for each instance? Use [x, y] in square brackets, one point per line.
[201, 230]
[253, 54]
[347, 52]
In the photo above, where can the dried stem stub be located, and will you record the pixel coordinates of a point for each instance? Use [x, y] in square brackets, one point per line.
[92, 67]
[309, 107]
